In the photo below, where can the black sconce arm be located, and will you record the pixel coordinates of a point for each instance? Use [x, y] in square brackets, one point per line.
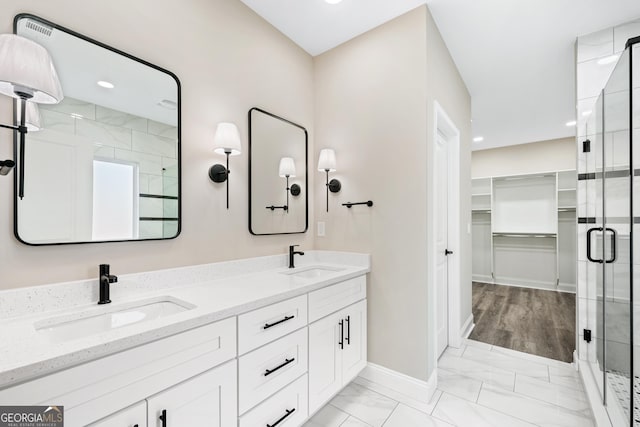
[273, 208]
[7, 165]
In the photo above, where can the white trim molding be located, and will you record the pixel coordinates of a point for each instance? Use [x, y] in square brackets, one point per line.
[466, 329]
[419, 390]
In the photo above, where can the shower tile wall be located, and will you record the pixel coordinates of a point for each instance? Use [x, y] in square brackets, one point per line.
[596, 56]
[121, 136]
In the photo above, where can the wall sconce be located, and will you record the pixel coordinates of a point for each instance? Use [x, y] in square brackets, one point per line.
[27, 74]
[327, 163]
[287, 169]
[226, 141]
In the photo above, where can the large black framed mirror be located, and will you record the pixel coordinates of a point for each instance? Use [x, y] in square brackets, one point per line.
[278, 175]
[105, 164]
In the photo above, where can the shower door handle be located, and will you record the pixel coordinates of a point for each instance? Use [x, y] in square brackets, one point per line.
[614, 246]
[591, 230]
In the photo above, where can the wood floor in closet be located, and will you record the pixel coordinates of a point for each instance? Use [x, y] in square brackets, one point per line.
[523, 319]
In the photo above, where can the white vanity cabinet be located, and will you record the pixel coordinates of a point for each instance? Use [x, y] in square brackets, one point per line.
[273, 365]
[103, 387]
[208, 399]
[337, 342]
[133, 416]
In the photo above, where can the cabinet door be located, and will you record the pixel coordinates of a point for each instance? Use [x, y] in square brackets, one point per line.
[354, 355]
[325, 360]
[133, 416]
[209, 399]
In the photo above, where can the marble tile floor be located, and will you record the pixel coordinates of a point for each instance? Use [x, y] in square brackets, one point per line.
[479, 385]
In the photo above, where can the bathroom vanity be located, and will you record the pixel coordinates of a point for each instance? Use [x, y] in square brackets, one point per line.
[248, 343]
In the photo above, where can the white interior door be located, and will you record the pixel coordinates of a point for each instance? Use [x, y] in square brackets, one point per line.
[441, 231]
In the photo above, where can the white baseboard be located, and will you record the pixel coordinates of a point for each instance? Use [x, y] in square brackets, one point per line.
[593, 395]
[569, 288]
[416, 389]
[468, 326]
[536, 285]
[482, 278]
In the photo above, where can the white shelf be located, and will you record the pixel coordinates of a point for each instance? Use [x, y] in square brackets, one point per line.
[481, 202]
[524, 229]
[525, 235]
[481, 186]
[567, 180]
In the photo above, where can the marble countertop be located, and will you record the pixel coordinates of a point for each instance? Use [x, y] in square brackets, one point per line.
[25, 353]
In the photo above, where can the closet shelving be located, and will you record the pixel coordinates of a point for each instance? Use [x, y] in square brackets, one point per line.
[524, 230]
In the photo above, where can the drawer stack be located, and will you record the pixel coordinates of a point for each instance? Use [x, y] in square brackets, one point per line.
[273, 364]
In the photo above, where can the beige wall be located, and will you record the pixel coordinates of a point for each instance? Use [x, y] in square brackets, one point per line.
[373, 104]
[543, 156]
[228, 60]
[372, 97]
[445, 85]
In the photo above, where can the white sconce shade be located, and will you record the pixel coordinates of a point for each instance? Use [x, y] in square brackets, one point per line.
[32, 121]
[327, 160]
[227, 139]
[287, 167]
[26, 71]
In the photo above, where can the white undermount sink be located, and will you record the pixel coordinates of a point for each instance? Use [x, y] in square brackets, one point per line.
[97, 320]
[313, 272]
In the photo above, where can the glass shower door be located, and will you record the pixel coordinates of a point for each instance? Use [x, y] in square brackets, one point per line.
[615, 261]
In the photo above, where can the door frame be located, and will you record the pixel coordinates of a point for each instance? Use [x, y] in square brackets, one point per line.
[443, 124]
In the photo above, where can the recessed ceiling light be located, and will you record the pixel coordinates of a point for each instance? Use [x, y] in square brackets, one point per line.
[478, 139]
[571, 123]
[586, 113]
[608, 59]
[333, 1]
[104, 84]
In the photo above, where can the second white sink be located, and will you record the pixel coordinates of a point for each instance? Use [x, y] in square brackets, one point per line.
[94, 321]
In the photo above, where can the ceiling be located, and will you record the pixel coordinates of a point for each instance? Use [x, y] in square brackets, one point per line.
[139, 89]
[515, 56]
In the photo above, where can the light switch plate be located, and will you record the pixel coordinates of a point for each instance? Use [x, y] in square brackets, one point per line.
[320, 228]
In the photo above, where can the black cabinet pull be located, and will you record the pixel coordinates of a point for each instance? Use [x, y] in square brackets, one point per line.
[614, 246]
[348, 338]
[163, 418]
[270, 325]
[341, 343]
[271, 371]
[135, 425]
[591, 230]
[289, 412]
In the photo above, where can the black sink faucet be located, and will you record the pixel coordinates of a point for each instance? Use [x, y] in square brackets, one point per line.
[292, 253]
[105, 280]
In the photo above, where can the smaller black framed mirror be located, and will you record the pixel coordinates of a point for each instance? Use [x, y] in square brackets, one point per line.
[278, 175]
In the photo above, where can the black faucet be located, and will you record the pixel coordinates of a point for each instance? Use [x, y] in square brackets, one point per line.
[105, 280]
[292, 253]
